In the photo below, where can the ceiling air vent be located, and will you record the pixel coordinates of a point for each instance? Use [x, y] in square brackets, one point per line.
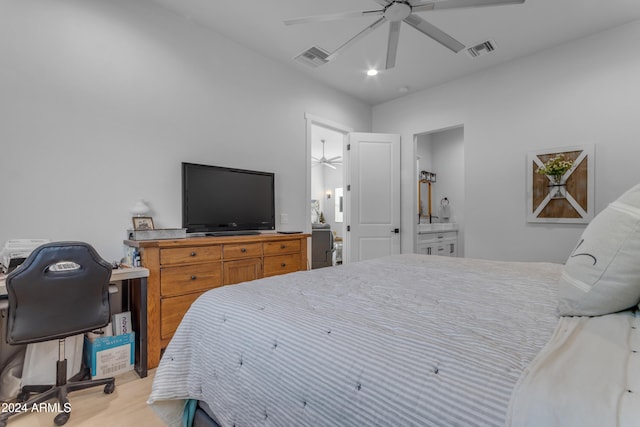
[313, 57]
[482, 49]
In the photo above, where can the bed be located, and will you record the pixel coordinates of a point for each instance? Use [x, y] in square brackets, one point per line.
[416, 340]
[404, 340]
[328, 346]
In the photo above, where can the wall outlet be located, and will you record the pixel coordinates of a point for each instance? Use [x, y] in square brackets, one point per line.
[284, 218]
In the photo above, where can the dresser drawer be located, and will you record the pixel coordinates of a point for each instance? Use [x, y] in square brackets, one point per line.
[190, 278]
[284, 247]
[281, 264]
[172, 311]
[242, 250]
[242, 270]
[172, 256]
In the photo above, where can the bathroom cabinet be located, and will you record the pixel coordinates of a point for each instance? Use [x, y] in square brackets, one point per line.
[434, 240]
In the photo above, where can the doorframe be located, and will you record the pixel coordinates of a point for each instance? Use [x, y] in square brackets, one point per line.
[414, 224]
[338, 127]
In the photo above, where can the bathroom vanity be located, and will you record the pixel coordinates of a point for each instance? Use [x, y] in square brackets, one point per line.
[438, 239]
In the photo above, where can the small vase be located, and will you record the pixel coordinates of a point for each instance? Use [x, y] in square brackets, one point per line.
[557, 188]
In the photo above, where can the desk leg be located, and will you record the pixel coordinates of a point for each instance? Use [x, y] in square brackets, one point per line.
[136, 303]
[141, 336]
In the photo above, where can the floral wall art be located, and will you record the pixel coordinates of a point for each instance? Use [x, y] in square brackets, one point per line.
[560, 185]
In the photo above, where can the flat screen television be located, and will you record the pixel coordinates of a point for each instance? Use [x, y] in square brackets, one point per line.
[219, 200]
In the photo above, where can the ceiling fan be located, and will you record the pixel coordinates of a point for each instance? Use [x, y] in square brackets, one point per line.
[398, 11]
[337, 160]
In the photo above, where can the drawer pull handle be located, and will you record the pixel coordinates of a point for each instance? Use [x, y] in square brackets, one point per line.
[194, 277]
[243, 250]
[283, 246]
[193, 254]
[283, 265]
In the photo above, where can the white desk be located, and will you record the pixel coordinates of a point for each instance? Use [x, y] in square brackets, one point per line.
[138, 312]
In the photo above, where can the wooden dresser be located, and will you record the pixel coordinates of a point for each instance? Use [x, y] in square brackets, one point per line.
[181, 270]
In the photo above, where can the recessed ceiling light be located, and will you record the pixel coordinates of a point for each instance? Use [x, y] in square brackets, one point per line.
[372, 72]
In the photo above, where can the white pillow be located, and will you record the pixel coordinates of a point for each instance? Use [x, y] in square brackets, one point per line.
[602, 275]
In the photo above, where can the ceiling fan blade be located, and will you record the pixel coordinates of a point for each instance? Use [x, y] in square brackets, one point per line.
[329, 165]
[434, 32]
[383, 2]
[355, 38]
[423, 6]
[333, 17]
[333, 159]
[459, 4]
[392, 44]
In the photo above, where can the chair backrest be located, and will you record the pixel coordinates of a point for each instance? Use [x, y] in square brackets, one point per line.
[323, 235]
[62, 289]
[321, 247]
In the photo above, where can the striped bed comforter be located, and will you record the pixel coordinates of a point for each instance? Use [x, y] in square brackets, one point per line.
[407, 340]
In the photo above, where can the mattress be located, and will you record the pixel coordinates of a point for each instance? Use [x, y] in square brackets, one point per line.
[407, 340]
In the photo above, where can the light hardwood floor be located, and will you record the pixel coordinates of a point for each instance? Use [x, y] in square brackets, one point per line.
[126, 406]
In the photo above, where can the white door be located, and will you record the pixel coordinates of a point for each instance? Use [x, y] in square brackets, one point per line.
[372, 196]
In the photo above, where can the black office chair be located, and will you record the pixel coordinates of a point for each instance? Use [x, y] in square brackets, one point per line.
[61, 290]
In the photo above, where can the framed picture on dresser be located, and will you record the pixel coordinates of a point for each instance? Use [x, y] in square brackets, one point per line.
[142, 223]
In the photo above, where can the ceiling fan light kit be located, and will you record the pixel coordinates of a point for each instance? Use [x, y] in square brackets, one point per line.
[398, 11]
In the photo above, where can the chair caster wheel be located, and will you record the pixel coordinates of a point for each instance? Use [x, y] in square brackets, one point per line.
[61, 419]
[109, 388]
[23, 396]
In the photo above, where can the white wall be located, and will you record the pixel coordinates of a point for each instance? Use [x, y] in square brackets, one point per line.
[333, 178]
[581, 92]
[448, 158]
[101, 101]
[317, 188]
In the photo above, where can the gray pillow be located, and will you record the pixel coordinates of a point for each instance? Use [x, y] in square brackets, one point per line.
[602, 275]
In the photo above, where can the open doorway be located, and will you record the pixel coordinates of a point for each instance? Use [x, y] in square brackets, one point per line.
[327, 195]
[370, 182]
[440, 192]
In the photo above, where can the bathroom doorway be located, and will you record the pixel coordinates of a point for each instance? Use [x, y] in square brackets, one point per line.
[440, 182]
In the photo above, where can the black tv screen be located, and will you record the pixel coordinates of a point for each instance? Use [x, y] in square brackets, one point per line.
[224, 200]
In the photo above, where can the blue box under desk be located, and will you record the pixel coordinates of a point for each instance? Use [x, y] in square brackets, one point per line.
[110, 356]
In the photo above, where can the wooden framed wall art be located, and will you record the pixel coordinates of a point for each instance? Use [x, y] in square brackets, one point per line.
[560, 185]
